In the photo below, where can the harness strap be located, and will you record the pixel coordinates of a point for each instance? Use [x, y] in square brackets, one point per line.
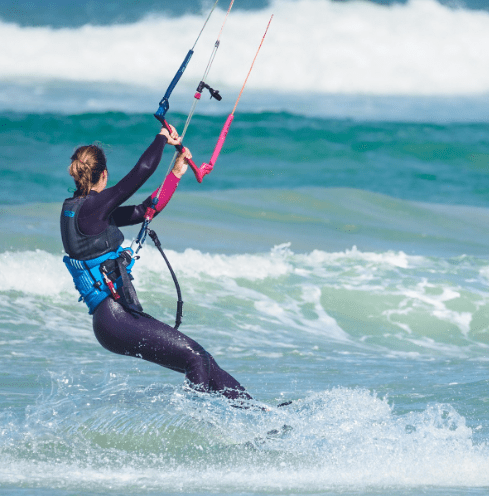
[129, 293]
[96, 283]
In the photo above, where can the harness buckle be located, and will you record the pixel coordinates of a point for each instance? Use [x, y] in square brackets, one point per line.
[110, 285]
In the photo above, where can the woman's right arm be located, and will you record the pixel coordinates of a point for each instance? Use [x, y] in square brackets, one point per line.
[130, 215]
[112, 197]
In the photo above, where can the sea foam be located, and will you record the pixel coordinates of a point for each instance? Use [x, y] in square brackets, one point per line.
[398, 302]
[339, 438]
[417, 48]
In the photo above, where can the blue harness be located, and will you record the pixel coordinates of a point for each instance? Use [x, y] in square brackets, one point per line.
[89, 280]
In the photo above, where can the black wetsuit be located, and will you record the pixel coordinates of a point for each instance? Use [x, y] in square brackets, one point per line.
[140, 335]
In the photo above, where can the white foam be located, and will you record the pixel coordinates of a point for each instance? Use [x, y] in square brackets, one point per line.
[34, 272]
[484, 273]
[417, 48]
[319, 294]
[340, 438]
[388, 258]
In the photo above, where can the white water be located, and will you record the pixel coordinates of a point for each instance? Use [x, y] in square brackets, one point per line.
[404, 304]
[341, 438]
[421, 48]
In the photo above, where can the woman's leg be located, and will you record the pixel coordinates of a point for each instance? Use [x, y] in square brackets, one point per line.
[140, 336]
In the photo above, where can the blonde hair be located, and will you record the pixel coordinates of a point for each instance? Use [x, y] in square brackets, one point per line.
[87, 165]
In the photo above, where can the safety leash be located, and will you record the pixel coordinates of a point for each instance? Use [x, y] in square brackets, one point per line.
[178, 318]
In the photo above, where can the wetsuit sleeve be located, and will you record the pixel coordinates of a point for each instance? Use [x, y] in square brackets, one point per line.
[97, 209]
[130, 215]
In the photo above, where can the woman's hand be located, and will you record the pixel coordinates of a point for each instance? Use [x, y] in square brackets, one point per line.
[173, 138]
[181, 163]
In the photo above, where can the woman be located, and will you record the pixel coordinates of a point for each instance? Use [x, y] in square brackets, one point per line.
[91, 237]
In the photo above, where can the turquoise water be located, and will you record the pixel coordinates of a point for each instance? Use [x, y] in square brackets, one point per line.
[428, 162]
[336, 257]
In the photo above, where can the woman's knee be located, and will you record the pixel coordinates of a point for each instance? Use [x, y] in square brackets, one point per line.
[198, 363]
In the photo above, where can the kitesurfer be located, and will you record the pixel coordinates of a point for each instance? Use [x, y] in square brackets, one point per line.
[100, 267]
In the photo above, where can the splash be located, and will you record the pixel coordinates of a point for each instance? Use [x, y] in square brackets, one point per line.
[162, 437]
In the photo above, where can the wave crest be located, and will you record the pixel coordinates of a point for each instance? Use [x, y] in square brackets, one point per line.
[419, 48]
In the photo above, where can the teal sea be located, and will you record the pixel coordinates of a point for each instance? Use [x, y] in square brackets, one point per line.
[336, 257]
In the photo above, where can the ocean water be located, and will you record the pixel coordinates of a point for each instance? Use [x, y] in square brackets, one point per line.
[336, 256]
